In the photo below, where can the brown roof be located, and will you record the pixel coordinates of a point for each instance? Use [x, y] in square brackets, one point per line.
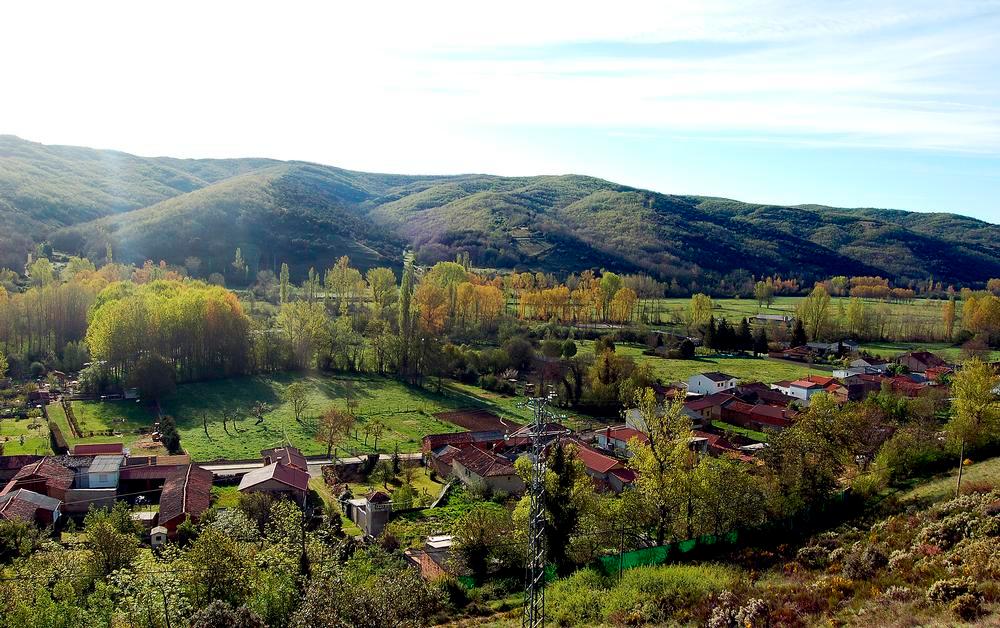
[290, 476]
[715, 399]
[738, 406]
[16, 462]
[17, 508]
[432, 442]
[54, 474]
[716, 376]
[485, 463]
[624, 433]
[286, 455]
[95, 449]
[595, 460]
[187, 491]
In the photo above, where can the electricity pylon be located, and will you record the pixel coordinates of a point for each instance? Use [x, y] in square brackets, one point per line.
[534, 579]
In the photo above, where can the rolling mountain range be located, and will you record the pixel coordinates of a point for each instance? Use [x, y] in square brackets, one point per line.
[82, 199]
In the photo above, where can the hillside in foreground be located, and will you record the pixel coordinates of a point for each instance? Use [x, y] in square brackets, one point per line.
[308, 214]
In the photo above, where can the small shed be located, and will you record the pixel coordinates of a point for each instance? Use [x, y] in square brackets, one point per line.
[157, 536]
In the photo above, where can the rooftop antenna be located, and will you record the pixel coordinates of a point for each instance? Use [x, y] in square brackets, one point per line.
[534, 578]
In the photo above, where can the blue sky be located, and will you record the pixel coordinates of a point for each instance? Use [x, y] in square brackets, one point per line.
[885, 104]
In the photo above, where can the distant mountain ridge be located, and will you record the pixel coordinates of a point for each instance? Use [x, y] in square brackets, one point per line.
[309, 214]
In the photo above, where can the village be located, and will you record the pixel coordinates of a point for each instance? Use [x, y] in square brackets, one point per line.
[729, 417]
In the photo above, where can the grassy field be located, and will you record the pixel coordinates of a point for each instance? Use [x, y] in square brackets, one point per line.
[407, 413]
[944, 350]
[943, 486]
[35, 439]
[127, 420]
[746, 368]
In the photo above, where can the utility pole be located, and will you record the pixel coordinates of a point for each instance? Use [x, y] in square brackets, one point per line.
[534, 580]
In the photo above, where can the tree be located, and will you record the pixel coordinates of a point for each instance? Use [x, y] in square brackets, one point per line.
[700, 309]
[661, 463]
[297, 394]
[154, 377]
[745, 337]
[3, 365]
[218, 614]
[239, 263]
[169, 435]
[760, 342]
[377, 429]
[814, 311]
[405, 319]
[382, 283]
[478, 534]
[798, 334]
[710, 337]
[333, 426]
[569, 479]
[976, 408]
[113, 538]
[284, 284]
[568, 349]
[763, 291]
[948, 314]
[383, 473]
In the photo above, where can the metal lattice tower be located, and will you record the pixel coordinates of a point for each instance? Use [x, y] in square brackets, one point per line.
[534, 578]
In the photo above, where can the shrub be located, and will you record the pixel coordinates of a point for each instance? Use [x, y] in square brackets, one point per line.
[577, 600]
[944, 591]
[897, 594]
[813, 556]
[967, 606]
[863, 563]
[658, 594]
[949, 531]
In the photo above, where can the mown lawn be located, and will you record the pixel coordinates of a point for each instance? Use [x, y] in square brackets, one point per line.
[942, 349]
[407, 413]
[24, 436]
[746, 368]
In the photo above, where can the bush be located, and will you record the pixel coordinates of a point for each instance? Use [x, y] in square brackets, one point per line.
[863, 563]
[659, 594]
[37, 369]
[967, 606]
[814, 556]
[577, 600]
[945, 591]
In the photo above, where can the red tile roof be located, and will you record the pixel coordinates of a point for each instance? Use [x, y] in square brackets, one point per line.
[52, 473]
[738, 406]
[625, 475]
[624, 433]
[595, 460]
[290, 476]
[484, 463]
[17, 508]
[285, 455]
[432, 442]
[805, 383]
[715, 399]
[187, 491]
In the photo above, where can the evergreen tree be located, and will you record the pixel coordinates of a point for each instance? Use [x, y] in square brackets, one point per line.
[709, 337]
[405, 319]
[745, 336]
[798, 334]
[760, 342]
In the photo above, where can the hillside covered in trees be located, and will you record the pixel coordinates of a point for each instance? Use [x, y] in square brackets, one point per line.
[84, 201]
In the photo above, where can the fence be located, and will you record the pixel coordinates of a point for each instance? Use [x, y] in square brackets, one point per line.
[662, 553]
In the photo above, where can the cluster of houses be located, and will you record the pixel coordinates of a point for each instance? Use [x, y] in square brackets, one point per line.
[43, 489]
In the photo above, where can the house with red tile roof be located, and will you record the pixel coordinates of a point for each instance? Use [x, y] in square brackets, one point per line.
[24, 505]
[289, 456]
[277, 479]
[473, 465]
[187, 492]
[616, 439]
[45, 476]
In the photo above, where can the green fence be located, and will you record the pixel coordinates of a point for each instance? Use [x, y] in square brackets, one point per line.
[662, 553]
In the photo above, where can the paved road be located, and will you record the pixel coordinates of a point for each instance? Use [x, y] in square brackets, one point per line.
[315, 466]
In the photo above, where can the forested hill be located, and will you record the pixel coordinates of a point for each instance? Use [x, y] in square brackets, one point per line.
[82, 199]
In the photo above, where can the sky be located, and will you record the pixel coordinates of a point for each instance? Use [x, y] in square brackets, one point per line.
[849, 103]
